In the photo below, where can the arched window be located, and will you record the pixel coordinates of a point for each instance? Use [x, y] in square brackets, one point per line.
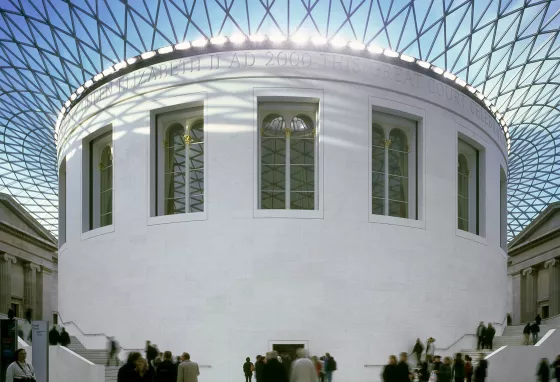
[393, 185]
[273, 162]
[106, 187]
[288, 174]
[398, 174]
[174, 146]
[302, 163]
[180, 165]
[378, 170]
[463, 193]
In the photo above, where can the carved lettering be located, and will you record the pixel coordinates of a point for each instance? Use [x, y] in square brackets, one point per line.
[234, 61]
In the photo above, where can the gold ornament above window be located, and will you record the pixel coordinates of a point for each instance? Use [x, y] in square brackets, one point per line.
[188, 139]
[387, 143]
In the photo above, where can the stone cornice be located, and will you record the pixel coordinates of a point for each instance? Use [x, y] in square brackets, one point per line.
[45, 244]
[7, 257]
[535, 242]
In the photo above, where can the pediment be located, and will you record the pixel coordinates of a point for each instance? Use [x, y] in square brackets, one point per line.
[15, 217]
[547, 222]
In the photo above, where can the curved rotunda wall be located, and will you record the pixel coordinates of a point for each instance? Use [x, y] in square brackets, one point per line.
[229, 282]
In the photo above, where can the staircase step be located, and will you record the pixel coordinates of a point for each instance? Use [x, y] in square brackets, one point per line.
[111, 373]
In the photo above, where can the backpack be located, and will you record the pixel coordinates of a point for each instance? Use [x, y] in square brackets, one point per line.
[332, 364]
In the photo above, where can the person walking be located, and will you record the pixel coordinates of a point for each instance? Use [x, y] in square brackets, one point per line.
[445, 371]
[126, 372]
[480, 332]
[54, 336]
[423, 373]
[273, 370]
[403, 369]
[390, 370]
[526, 333]
[64, 338]
[259, 367]
[481, 369]
[468, 368]
[418, 349]
[248, 368]
[430, 350]
[303, 369]
[143, 371]
[330, 366]
[556, 367]
[317, 365]
[20, 370]
[489, 337]
[323, 371]
[535, 329]
[188, 370]
[151, 352]
[167, 370]
[538, 319]
[459, 368]
[112, 350]
[543, 371]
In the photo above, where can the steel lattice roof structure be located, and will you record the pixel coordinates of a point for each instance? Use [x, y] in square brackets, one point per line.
[509, 50]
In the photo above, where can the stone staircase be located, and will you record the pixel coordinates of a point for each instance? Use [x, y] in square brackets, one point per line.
[512, 336]
[97, 356]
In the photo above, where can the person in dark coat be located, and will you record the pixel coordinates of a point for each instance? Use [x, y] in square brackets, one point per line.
[64, 338]
[273, 371]
[468, 368]
[403, 369]
[390, 370]
[151, 352]
[543, 371]
[248, 369]
[167, 370]
[126, 372]
[556, 367]
[259, 367]
[418, 349]
[538, 319]
[459, 368]
[489, 336]
[143, 372]
[480, 371]
[444, 374]
[423, 373]
[54, 336]
[480, 333]
[526, 333]
[535, 332]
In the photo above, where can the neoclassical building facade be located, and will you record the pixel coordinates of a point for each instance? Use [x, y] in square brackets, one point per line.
[28, 263]
[534, 268]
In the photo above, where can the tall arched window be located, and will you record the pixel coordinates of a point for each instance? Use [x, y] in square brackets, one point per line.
[393, 156]
[106, 187]
[174, 146]
[378, 170]
[288, 175]
[180, 165]
[463, 193]
[398, 174]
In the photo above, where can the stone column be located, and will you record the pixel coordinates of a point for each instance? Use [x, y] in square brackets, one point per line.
[554, 287]
[6, 262]
[38, 311]
[530, 303]
[516, 317]
[30, 287]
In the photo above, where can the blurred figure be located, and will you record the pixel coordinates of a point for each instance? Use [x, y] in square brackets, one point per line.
[403, 369]
[556, 367]
[178, 360]
[423, 373]
[543, 371]
[317, 365]
[29, 315]
[489, 337]
[143, 371]
[54, 336]
[112, 350]
[64, 338]
[158, 359]
[526, 333]
[418, 349]
[535, 329]
[273, 370]
[248, 368]
[330, 366]
[151, 352]
[480, 371]
[436, 365]
[430, 349]
[508, 319]
[303, 369]
[167, 370]
[323, 371]
[468, 368]
[538, 319]
[188, 370]
[459, 368]
[444, 374]
[390, 370]
[126, 372]
[480, 333]
[259, 368]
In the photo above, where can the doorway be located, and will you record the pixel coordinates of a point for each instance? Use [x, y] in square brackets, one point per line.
[287, 351]
[544, 311]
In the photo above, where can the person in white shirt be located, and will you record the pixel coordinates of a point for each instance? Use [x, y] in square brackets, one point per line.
[303, 369]
[19, 370]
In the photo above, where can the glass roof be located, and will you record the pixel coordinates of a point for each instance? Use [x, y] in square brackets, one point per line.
[508, 49]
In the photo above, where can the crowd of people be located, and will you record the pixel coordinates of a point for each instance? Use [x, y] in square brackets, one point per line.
[532, 329]
[485, 335]
[56, 337]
